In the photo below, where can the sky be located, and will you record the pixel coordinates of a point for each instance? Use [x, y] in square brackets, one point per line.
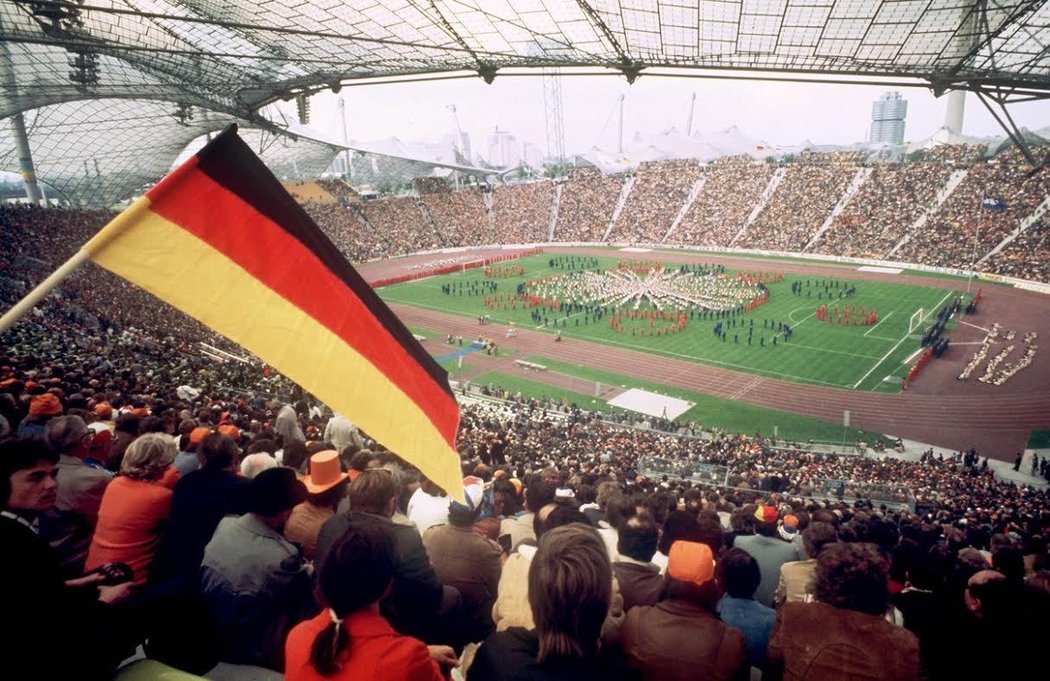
[781, 114]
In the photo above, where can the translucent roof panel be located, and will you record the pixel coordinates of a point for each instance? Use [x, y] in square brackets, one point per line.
[236, 55]
[232, 57]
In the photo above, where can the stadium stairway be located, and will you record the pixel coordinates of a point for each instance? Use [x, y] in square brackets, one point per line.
[555, 202]
[954, 180]
[1039, 212]
[694, 192]
[767, 193]
[625, 192]
[859, 178]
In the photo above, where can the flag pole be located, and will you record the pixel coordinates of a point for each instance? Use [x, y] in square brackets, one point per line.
[42, 289]
[101, 238]
[977, 229]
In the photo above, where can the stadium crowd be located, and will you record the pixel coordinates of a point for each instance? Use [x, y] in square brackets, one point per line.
[659, 192]
[522, 212]
[461, 217]
[884, 209]
[960, 231]
[799, 206]
[1027, 256]
[587, 202]
[732, 187]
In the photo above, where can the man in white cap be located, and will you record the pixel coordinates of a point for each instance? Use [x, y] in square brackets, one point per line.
[467, 561]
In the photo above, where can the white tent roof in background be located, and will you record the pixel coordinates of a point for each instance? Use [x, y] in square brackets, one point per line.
[670, 145]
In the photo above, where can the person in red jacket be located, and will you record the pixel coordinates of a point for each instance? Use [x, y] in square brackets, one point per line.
[349, 639]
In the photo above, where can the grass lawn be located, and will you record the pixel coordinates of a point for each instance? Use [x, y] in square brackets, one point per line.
[820, 353]
[1039, 439]
[711, 412]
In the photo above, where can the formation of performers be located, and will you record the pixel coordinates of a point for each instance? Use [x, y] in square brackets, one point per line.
[847, 315]
[781, 331]
[504, 271]
[826, 289]
[469, 288]
[573, 262]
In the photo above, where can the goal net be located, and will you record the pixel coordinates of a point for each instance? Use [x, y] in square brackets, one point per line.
[916, 320]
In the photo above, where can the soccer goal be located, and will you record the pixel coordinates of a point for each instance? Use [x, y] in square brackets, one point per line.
[916, 320]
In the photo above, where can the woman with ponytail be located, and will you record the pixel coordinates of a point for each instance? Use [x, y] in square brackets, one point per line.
[350, 640]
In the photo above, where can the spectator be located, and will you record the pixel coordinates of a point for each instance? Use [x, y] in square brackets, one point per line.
[570, 590]
[796, 577]
[681, 637]
[739, 574]
[768, 549]
[135, 508]
[844, 634]
[349, 639]
[34, 588]
[467, 562]
[69, 526]
[640, 580]
[417, 604]
[254, 581]
[326, 485]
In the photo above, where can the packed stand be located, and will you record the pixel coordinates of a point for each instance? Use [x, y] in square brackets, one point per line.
[342, 224]
[432, 185]
[339, 189]
[961, 231]
[1027, 256]
[798, 207]
[586, 205]
[883, 209]
[399, 223]
[219, 526]
[461, 218]
[522, 212]
[731, 190]
[954, 154]
[660, 191]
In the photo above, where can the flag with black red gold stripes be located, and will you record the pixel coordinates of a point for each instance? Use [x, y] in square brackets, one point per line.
[220, 239]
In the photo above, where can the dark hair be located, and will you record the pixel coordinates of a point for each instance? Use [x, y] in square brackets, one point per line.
[356, 573]
[538, 494]
[152, 424]
[372, 490]
[711, 532]
[740, 573]
[570, 586]
[217, 451]
[360, 460]
[817, 536]
[19, 455]
[853, 577]
[294, 454]
[637, 538]
[679, 525]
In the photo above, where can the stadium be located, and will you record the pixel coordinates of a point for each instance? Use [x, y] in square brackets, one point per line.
[707, 327]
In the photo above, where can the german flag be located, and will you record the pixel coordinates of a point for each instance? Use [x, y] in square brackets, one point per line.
[220, 239]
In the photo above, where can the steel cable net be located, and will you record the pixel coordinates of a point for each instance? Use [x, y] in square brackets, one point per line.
[235, 56]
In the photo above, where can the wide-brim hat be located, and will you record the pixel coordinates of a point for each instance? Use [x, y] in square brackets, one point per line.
[325, 472]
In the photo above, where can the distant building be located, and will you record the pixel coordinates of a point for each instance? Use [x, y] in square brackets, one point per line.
[887, 119]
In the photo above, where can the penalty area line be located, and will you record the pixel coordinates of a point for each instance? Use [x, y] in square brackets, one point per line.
[894, 348]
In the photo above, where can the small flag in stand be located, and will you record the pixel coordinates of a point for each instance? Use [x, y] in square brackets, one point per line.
[993, 204]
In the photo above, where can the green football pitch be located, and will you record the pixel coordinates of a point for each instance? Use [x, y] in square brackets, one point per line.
[872, 357]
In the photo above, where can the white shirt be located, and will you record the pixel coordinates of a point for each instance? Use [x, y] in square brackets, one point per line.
[426, 511]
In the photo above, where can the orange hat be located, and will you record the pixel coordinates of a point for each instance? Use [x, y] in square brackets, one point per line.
[766, 514]
[229, 429]
[45, 404]
[691, 561]
[518, 487]
[141, 412]
[198, 434]
[104, 411]
[324, 472]
[791, 521]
